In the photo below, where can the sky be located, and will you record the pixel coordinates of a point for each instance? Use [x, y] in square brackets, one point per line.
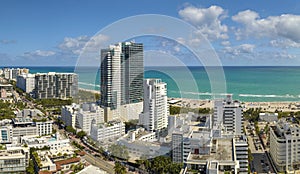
[241, 33]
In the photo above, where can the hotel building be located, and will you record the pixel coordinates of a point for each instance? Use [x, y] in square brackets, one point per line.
[122, 72]
[86, 114]
[229, 113]
[155, 111]
[105, 131]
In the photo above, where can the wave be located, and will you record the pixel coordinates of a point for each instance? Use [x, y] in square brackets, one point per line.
[88, 84]
[200, 93]
[267, 96]
[240, 95]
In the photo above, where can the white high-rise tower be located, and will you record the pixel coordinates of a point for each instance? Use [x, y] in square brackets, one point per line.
[229, 113]
[155, 112]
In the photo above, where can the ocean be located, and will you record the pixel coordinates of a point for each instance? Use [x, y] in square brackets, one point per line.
[246, 83]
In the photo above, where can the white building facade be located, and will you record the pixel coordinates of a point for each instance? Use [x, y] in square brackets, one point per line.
[26, 82]
[68, 114]
[155, 111]
[105, 131]
[229, 113]
[86, 114]
[44, 127]
[285, 146]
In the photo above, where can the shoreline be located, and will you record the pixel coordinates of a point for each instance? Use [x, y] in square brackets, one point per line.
[284, 106]
[272, 106]
[89, 90]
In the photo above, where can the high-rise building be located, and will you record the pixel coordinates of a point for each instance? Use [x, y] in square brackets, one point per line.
[132, 66]
[155, 111]
[122, 72]
[229, 114]
[26, 82]
[55, 85]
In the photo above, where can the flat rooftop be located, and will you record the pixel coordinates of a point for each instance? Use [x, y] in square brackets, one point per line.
[22, 120]
[223, 153]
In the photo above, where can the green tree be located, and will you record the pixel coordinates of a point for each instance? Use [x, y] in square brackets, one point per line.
[30, 168]
[119, 168]
[71, 129]
[161, 164]
[81, 134]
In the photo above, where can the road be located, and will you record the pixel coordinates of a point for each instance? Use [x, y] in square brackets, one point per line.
[261, 163]
[99, 163]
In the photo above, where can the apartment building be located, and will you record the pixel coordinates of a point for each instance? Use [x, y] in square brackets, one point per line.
[155, 111]
[26, 82]
[55, 85]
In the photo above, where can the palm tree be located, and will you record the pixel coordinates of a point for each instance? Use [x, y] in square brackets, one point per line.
[119, 168]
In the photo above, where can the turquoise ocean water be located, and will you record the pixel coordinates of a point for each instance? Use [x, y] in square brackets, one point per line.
[245, 83]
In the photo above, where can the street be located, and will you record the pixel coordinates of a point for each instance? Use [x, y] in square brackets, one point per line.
[102, 164]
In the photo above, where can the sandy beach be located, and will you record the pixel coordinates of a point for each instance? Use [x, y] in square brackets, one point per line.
[266, 106]
[194, 103]
[89, 90]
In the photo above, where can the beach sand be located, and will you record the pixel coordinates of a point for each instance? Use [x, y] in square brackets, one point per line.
[266, 106]
[89, 90]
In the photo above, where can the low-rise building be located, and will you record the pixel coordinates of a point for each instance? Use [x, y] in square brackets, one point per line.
[284, 143]
[29, 113]
[13, 160]
[92, 169]
[6, 134]
[268, 117]
[86, 114]
[209, 150]
[44, 127]
[105, 131]
[24, 126]
[68, 114]
[54, 160]
[53, 142]
[6, 90]
[143, 144]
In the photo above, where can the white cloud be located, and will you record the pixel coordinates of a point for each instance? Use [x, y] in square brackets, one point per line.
[284, 55]
[240, 49]
[225, 43]
[39, 53]
[285, 26]
[82, 43]
[207, 20]
[73, 45]
[284, 43]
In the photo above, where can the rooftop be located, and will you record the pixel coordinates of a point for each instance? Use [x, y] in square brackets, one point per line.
[92, 169]
[223, 151]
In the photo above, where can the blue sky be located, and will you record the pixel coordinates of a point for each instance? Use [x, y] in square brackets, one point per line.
[241, 33]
